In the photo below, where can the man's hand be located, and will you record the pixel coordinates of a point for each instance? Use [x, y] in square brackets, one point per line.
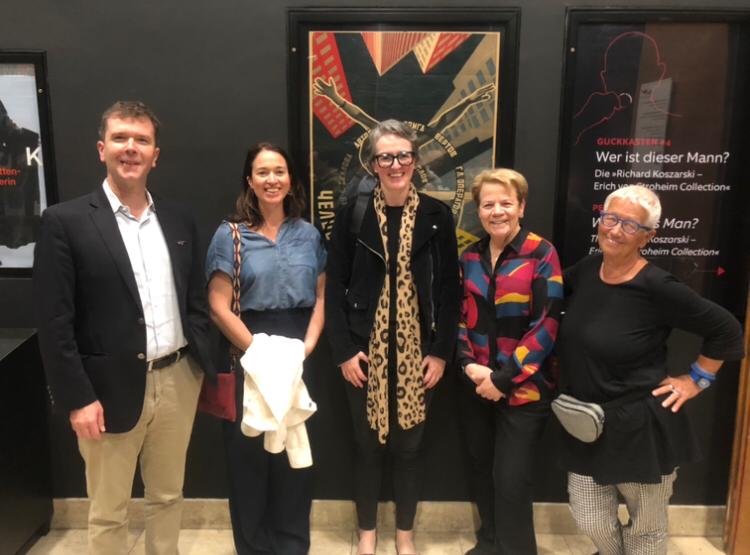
[88, 422]
[352, 369]
[321, 87]
[482, 93]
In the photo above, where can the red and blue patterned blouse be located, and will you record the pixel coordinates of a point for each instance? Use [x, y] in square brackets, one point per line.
[510, 314]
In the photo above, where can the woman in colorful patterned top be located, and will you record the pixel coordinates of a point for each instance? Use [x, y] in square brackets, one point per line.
[512, 289]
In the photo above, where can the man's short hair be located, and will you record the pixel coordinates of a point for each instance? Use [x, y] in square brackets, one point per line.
[129, 109]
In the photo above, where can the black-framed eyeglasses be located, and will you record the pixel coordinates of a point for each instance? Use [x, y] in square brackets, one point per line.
[610, 219]
[405, 158]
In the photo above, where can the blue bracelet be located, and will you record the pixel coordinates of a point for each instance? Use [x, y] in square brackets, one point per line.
[696, 370]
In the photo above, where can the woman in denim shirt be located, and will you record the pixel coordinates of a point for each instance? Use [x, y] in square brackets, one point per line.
[282, 281]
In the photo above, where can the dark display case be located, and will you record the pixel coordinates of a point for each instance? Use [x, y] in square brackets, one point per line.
[25, 478]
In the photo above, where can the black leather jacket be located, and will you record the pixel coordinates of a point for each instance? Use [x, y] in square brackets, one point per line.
[356, 270]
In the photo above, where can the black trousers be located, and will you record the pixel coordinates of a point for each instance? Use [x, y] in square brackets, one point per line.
[403, 446]
[269, 502]
[501, 443]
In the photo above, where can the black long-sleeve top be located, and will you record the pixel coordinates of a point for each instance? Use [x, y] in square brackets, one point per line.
[613, 342]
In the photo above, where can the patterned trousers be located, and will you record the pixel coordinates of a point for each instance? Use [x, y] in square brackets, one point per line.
[594, 509]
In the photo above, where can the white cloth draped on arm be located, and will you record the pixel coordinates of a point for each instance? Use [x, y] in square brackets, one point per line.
[275, 400]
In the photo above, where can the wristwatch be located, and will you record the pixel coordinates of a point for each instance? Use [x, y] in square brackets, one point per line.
[703, 383]
[702, 378]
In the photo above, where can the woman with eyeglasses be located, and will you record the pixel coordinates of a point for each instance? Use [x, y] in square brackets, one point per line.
[392, 302]
[620, 310]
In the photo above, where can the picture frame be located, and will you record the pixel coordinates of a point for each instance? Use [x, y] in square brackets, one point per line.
[643, 105]
[27, 164]
[451, 74]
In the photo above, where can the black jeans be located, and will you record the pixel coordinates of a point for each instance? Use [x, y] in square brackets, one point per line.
[403, 446]
[501, 443]
[269, 502]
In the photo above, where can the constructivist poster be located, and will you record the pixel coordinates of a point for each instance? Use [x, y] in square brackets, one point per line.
[661, 104]
[23, 189]
[443, 84]
[446, 84]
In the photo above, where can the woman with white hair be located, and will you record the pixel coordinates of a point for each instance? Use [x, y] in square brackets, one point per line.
[620, 309]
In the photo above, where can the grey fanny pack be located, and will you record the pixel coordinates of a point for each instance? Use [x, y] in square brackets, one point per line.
[584, 420]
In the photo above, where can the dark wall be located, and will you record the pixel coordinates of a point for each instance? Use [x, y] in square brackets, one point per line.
[216, 74]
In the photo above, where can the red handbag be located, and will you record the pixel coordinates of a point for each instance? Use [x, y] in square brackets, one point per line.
[219, 398]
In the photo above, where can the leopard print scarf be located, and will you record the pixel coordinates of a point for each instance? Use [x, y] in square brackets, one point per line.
[409, 389]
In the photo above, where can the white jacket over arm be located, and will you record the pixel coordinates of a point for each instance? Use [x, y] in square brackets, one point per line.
[275, 399]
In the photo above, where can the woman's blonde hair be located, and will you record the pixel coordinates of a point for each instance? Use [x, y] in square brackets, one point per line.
[503, 176]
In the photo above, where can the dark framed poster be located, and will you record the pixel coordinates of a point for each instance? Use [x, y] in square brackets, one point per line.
[450, 74]
[660, 98]
[26, 159]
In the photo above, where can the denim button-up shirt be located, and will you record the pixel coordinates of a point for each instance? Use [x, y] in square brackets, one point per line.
[274, 275]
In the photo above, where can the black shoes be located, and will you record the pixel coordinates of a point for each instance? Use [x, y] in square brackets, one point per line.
[481, 549]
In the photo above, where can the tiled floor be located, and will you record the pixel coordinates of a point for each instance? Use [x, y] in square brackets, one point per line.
[219, 542]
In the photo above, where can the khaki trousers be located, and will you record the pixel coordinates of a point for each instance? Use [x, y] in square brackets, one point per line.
[160, 438]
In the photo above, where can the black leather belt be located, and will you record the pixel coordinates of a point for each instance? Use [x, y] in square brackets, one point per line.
[168, 360]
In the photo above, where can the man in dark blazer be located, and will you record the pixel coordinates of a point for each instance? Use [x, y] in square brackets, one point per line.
[121, 311]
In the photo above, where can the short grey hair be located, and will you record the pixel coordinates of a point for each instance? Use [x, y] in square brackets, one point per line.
[388, 127]
[643, 197]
